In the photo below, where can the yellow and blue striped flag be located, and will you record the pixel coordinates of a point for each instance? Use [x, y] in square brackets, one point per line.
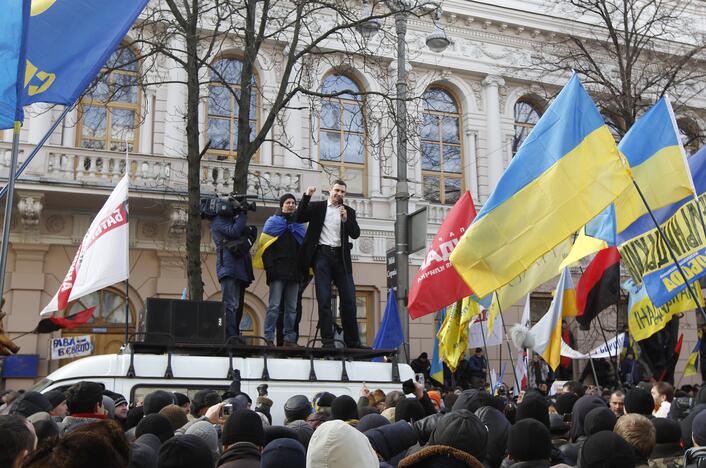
[692, 364]
[565, 173]
[13, 22]
[437, 365]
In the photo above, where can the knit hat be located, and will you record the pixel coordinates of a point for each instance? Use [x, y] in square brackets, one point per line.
[175, 414]
[698, 429]
[639, 401]
[297, 407]
[283, 452]
[528, 440]
[205, 431]
[599, 419]
[109, 406]
[324, 400]
[435, 396]
[304, 431]
[565, 403]
[151, 441]
[279, 432]
[371, 421]
[286, 197]
[185, 451]
[344, 408]
[134, 416]
[667, 430]
[243, 425]
[469, 400]
[533, 406]
[118, 399]
[462, 430]
[557, 426]
[583, 405]
[336, 444]
[606, 449]
[30, 403]
[142, 456]
[55, 397]
[156, 424]
[157, 400]
[410, 410]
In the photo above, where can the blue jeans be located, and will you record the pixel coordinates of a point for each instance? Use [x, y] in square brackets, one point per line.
[328, 268]
[282, 290]
[230, 290]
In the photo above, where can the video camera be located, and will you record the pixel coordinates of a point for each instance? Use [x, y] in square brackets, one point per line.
[229, 206]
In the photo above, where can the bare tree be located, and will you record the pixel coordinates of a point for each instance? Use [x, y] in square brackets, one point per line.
[628, 53]
[295, 38]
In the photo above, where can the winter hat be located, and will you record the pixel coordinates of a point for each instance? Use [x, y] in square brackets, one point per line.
[583, 405]
[606, 449]
[392, 439]
[435, 396]
[528, 440]
[55, 397]
[181, 399]
[30, 403]
[205, 431]
[462, 430]
[142, 456]
[698, 429]
[118, 399]
[565, 403]
[109, 406]
[45, 429]
[156, 424]
[175, 414]
[279, 432]
[599, 419]
[667, 430]
[243, 425]
[283, 452]
[410, 410]
[498, 428]
[336, 444]
[151, 441]
[157, 400]
[286, 197]
[344, 408]
[639, 401]
[185, 451]
[297, 407]
[304, 431]
[371, 421]
[324, 400]
[134, 416]
[557, 426]
[533, 406]
[469, 400]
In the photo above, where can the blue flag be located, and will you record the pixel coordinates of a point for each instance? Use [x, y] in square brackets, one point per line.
[13, 22]
[69, 41]
[390, 335]
[437, 366]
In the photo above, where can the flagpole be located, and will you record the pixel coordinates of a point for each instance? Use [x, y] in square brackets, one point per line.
[669, 248]
[485, 348]
[127, 246]
[593, 369]
[610, 355]
[507, 342]
[9, 202]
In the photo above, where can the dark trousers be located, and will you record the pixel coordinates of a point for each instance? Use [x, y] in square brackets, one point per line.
[329, 268]
[280, 320]
[233, 292]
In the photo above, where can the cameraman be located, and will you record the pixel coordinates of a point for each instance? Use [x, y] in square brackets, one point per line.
[233, 264]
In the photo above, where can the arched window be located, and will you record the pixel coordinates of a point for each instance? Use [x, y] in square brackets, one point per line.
[223, 107]
[109, 112]
[689, 135]
[526, 117]
[342, 136]
[442, 155]
[110, 308]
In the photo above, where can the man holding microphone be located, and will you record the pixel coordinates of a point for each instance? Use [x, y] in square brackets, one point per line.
[327, 250]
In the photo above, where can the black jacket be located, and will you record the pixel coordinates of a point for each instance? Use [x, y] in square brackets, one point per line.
[315, 213]
[281, 258]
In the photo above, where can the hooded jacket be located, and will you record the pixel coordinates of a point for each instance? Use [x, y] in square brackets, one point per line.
[498, 429]
[225, 229]
[240, 455]
[695, 457]
[391, 439]
[336, 444]
[699, 405]
[440, 456]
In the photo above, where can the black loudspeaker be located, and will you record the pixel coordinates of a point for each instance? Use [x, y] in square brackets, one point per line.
[187, 322]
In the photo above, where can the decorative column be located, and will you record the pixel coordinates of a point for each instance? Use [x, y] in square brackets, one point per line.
[174, 118]
[147, 125]
[494, 147]
[39, 122]
[470, 157]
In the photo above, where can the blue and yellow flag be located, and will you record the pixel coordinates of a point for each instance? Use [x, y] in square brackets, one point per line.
[437, 365]
[13, 21]
[69, 41]
[453, 335]
[692, 365]
[565, 173]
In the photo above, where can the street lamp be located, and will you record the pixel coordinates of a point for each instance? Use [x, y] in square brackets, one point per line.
[437, 41]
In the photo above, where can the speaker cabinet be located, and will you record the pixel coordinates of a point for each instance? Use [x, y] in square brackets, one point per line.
[187, 322]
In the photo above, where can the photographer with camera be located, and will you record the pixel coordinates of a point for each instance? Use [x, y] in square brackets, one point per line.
[233, 239]
[278, 254]
[327, 249]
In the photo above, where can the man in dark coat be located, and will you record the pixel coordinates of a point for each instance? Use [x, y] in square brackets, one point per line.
[327, 249]
[279, 247]
[234, 269]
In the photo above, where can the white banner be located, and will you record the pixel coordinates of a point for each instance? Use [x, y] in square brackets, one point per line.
[71, 347]
[615, 345]
[476, 333]
[102, 257]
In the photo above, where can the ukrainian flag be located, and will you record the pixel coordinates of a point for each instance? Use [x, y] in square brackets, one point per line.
[658, 164]
[547, 332]
[453, 335]
[13, 29]
[565, 173]
[437, 365]
[693, 363]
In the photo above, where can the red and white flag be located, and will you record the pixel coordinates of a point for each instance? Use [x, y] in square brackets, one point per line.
[437, 283]
[102, 257]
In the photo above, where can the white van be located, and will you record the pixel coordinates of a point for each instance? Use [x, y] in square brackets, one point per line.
[135, 375]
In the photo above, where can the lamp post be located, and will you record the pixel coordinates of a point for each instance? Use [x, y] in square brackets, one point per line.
[437, 41]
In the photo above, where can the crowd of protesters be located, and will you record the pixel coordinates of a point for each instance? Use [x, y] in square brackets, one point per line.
[89, 426]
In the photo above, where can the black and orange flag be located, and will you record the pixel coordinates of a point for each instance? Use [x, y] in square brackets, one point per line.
[599, 286]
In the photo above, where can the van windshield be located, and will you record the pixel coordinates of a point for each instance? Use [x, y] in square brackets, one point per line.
[41, 385]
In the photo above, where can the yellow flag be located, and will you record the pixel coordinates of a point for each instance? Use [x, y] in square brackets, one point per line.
[453, 334]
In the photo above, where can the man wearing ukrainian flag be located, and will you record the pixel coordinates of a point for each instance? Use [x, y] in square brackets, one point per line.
[278, 253]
